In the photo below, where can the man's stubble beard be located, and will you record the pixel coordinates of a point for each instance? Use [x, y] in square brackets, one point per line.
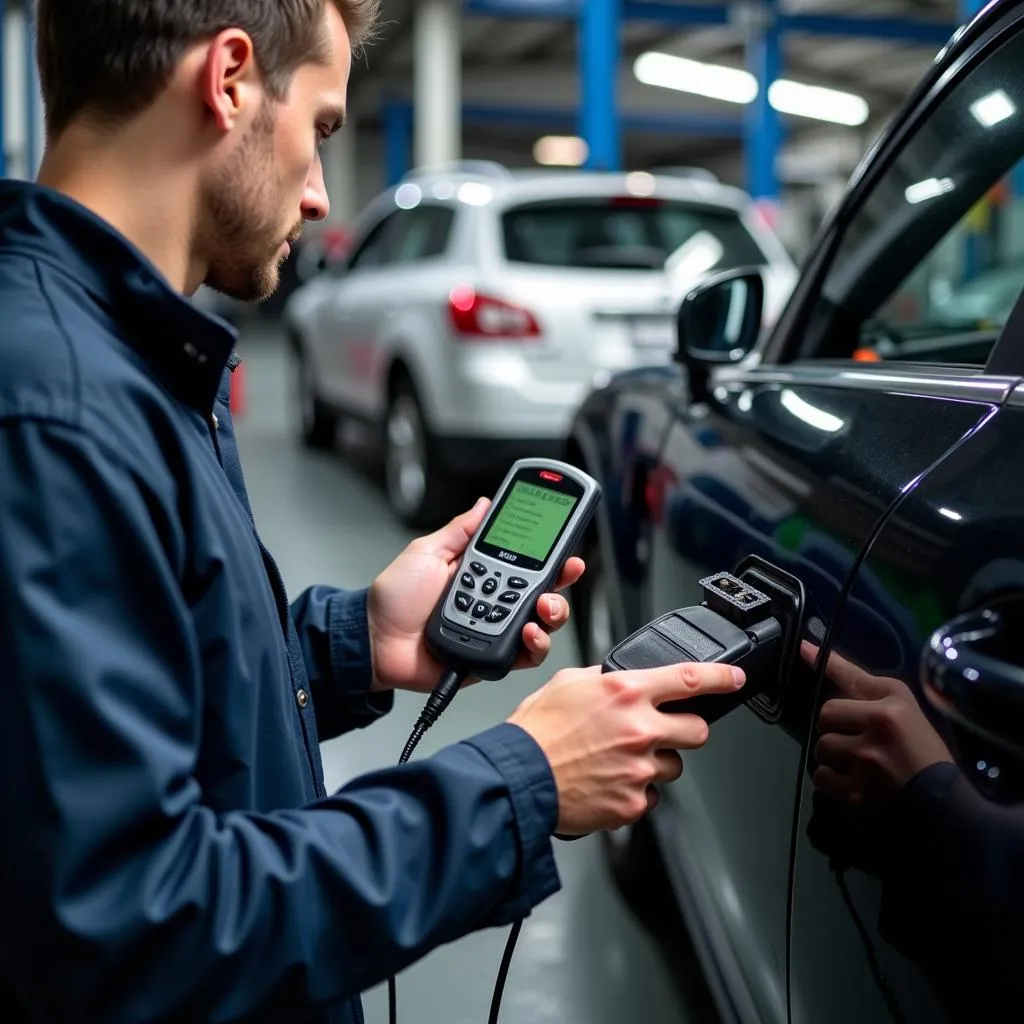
[243, 219]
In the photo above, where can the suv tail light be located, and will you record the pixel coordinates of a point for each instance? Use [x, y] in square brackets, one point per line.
[483, 316]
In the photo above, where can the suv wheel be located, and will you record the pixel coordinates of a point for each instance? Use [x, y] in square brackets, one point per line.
[318, 425]
[416, 487]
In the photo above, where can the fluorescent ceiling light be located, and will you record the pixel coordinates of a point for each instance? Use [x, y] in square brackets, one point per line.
[711, 80]
[561, 151]
[930, 188]
[817, 102]
[950, 514]
[810, 414]
[733, 85]
[993, 108]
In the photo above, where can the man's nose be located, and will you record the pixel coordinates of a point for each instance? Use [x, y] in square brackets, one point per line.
[315, 204]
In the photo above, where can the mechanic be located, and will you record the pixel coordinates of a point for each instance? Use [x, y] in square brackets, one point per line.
[170, 849]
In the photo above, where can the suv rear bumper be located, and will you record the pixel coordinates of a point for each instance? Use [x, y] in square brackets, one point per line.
[489, 458]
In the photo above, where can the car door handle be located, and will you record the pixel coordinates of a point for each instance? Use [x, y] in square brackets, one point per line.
[965, 674]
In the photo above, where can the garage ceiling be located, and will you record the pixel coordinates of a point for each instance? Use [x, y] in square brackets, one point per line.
[521, 61]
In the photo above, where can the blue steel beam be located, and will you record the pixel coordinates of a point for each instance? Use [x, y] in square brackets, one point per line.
[398, 121]
[763, 133]
[599, 81]
[908, 30]
[397, 113]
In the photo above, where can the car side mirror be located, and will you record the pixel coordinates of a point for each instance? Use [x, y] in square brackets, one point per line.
[719, 323]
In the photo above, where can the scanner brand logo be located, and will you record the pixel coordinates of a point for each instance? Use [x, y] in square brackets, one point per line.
[508, 556]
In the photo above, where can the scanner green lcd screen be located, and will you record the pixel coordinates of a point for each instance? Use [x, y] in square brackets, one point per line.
[530, 520]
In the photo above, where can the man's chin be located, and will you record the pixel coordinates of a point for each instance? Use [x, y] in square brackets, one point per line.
[258, 287]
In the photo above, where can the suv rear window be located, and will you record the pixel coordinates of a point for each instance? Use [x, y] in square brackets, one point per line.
[626, 233]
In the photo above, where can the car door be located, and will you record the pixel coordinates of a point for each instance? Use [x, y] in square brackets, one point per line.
[797, 458]
[906, 878]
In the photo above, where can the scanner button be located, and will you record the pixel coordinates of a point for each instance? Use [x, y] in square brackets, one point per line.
[463, 601]
[490, 586]
[509, 597]
[517, 583]
[498, 614]
[481, 610]
[467, 581]
[480, 570]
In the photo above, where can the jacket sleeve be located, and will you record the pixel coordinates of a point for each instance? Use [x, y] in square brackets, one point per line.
[125, 898]
[335, 642]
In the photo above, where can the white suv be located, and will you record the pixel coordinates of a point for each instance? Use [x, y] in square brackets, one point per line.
[479, 306]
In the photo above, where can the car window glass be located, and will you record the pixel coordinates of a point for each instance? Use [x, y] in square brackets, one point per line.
[627, 233]
[423, 233]
[932, 263]
[373, 250]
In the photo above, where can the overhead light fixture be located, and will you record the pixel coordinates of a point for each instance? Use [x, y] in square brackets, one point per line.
[930, 188]
[733, 85]
[993, 108]
[561, 151]
[815, 101]
[950, 514]
[711, 80]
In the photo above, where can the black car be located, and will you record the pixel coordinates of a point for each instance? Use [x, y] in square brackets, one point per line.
[866, 864]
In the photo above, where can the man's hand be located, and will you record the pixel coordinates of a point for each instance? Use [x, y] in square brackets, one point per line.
[874, 739]
[405, 594]
[607, 742]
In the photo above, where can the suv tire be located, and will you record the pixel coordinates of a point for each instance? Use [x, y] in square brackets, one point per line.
[318, 425]
[418, 491]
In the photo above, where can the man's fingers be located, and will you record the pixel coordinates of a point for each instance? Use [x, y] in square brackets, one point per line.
[845, 716]
[669, 765]
[682, 732]
[537, 644]
[571, 572]
[687, 679]
[833, 783]
[837, 752]
[554, 610]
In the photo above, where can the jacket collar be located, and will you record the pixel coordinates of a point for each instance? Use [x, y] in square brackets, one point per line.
[186, 347]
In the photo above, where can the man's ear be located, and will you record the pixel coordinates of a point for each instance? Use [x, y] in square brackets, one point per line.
[230, 79]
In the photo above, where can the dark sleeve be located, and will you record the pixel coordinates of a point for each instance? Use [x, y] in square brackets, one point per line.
[335, 642]
[124, 897]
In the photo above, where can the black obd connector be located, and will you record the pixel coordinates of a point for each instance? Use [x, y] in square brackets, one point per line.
[750, 619]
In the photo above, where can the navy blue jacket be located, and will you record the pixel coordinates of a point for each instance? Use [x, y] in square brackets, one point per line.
[169, 851]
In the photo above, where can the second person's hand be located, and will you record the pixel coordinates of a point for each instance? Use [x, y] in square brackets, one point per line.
[607, 742]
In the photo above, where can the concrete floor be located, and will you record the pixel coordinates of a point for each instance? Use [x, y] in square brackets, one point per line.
[581, 959]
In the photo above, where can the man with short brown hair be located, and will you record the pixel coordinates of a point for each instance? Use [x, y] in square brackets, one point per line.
[169, 851]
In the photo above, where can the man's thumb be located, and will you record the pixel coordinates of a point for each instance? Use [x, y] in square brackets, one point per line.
[451, 540]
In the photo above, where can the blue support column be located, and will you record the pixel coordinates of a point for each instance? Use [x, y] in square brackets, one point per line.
[3, 90]
[763, 131]
[32, 148]
[599, 73]
[397, 139]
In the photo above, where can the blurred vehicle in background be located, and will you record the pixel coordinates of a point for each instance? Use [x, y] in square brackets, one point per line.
[479, 306]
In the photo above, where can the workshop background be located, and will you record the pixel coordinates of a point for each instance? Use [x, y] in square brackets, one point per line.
[779, 99]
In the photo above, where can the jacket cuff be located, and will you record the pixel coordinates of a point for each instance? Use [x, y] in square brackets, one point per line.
[351, 659]
[534, 798]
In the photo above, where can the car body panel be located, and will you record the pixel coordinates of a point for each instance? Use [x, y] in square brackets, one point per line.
[943, 928]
